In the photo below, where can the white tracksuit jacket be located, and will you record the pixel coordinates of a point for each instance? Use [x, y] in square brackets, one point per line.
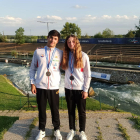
[82, 76]
[39, 65]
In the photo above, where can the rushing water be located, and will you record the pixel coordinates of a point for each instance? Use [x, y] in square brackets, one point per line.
[128, 96]
[19, 75]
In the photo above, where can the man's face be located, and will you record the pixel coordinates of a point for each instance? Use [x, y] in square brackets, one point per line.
[52, 41]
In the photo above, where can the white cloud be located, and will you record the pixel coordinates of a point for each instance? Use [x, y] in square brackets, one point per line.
[10, 20]
[106, 17]
[71, 18]
[79, 7]
[89, 23]
[89, 18]
[54, 17]
[122, 17]
[135, 17]
[38, 16]
[49, 17]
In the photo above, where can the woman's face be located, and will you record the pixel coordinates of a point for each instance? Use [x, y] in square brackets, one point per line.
[71, 43]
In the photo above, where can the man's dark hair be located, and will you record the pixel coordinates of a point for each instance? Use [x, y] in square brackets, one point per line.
[54, 33]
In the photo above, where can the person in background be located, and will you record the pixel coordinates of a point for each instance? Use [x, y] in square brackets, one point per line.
[46, 62]
[77, 81]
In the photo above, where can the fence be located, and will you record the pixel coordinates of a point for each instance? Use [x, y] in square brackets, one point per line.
[26, 40]
[99, 102]
[102, 40]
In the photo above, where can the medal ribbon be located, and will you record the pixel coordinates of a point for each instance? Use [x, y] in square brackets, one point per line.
[71, 62]
[49, 63]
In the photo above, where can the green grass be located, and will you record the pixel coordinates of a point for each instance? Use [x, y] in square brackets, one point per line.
[33, 124]
[124, 132]
[92, 104]
[136, 120]
[5, 124]
[99, 137]
[10, 97]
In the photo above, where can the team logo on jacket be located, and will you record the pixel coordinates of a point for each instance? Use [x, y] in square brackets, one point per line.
[57, 92]
[42, 55]
[56, 56]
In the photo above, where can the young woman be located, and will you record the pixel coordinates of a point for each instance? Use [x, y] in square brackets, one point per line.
[77, 81]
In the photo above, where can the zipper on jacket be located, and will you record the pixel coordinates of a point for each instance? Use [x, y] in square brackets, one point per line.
[48, 69]
[71, 73]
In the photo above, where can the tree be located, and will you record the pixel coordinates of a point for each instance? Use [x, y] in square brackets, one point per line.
[137, 30]
[130, 34]
[87, 36]
[107, 33]
[43, 37]
[119, 36]
[35, 37]
[70, 28]
[98, 35]
[2, 38]
[20, 39]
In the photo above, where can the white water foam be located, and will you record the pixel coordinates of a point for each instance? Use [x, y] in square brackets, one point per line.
[20, 76]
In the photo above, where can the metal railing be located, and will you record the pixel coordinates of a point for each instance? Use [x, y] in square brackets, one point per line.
[29, 103]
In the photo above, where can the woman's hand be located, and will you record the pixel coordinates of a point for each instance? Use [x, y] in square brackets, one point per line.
[84, 95]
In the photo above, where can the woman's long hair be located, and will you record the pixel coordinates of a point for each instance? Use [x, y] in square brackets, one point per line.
[77, 52]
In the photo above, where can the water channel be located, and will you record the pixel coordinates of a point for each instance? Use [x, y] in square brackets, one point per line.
[127, 95]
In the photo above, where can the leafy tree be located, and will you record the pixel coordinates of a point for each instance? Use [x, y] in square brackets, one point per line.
[2, 38]
[43, 37]
[36, 37]
[118, 36]
[107, 33]
[137, 30]
[87, 36]
[98, 35]
[20, 39]
[130, 34]
[70, 28]
[10, 36]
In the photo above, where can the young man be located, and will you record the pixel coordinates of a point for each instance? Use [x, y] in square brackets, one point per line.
[46, 62]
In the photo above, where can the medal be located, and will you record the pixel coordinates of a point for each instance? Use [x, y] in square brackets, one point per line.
[49, 62]
[72, 77]
[48, 73]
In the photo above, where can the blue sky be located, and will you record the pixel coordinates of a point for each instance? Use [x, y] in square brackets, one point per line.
[92, 16]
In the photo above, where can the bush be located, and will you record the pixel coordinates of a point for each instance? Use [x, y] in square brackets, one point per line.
[14, 53]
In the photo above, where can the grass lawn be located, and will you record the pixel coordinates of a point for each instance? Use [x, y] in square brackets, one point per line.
[5, 124]
[11, 98]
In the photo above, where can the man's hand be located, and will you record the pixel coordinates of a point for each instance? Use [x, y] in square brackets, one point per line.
[84, 95]
[33, 89]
